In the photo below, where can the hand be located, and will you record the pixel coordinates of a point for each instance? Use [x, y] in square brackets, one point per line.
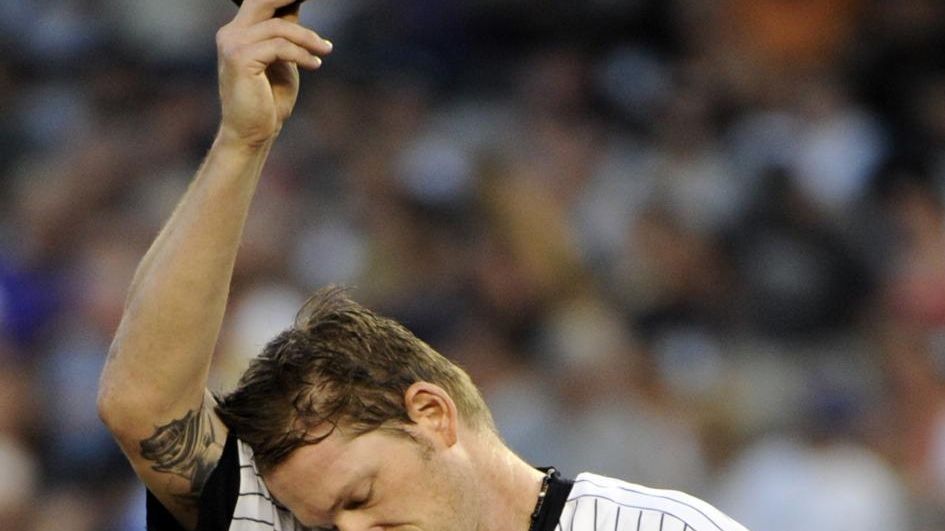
[259, 55]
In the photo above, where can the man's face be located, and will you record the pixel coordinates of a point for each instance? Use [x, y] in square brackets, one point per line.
[379, 480]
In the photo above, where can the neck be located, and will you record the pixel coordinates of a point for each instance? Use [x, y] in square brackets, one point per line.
[512, 488]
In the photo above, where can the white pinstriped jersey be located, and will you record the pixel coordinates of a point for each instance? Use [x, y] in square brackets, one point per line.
[240, 501]
[255, 510]
[598, 503]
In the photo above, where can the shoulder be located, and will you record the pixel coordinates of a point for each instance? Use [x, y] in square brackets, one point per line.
[625, 505]
[254, 504]
[235, 499]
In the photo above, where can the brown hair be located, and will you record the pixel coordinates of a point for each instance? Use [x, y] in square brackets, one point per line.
[343, 365]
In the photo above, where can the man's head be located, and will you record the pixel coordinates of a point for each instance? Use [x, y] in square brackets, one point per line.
[348, 406]
[340, 365]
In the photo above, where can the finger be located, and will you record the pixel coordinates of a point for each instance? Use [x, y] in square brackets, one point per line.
[253, 11]
[300, 35]
[268, 52]
[290, 12]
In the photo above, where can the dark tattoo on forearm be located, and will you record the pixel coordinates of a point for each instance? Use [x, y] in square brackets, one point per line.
[184, 447]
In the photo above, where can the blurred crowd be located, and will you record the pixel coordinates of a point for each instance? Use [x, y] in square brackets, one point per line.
[696, 244]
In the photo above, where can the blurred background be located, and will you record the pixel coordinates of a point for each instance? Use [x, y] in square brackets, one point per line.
[696, 244]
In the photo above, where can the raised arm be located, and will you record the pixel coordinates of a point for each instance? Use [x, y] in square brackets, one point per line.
[152, 392]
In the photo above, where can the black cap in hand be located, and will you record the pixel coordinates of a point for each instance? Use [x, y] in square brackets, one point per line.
[294, 6]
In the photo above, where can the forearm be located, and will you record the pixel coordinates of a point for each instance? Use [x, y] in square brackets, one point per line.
[160, 357]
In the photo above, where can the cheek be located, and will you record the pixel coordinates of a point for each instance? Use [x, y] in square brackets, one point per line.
[405, 488]
[424, 489]
[454, 502]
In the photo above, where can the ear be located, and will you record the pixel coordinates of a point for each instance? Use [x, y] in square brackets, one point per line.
[433, 411]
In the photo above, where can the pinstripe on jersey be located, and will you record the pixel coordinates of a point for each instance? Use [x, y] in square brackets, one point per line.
[597, 503]
[255, 510]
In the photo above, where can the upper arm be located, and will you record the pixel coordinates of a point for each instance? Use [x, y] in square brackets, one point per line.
[175, 456]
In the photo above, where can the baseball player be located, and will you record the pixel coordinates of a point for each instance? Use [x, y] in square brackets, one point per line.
[346, 420]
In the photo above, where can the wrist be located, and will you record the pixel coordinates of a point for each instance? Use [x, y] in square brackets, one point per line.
[232, 141]
[233, 159]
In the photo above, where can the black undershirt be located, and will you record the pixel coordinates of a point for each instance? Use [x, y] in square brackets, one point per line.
[555, 498]
[217, 500]
[219, 496]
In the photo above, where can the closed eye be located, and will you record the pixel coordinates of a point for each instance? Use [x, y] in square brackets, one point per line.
[356, 503]
[353, 505]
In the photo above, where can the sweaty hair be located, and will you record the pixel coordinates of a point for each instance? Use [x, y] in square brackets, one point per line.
[340, 365]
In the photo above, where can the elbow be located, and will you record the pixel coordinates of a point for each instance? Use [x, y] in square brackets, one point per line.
[113, 402]
[126, 405]
[105, 400]
[118, 409]
[119, 412]
[107, 406]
